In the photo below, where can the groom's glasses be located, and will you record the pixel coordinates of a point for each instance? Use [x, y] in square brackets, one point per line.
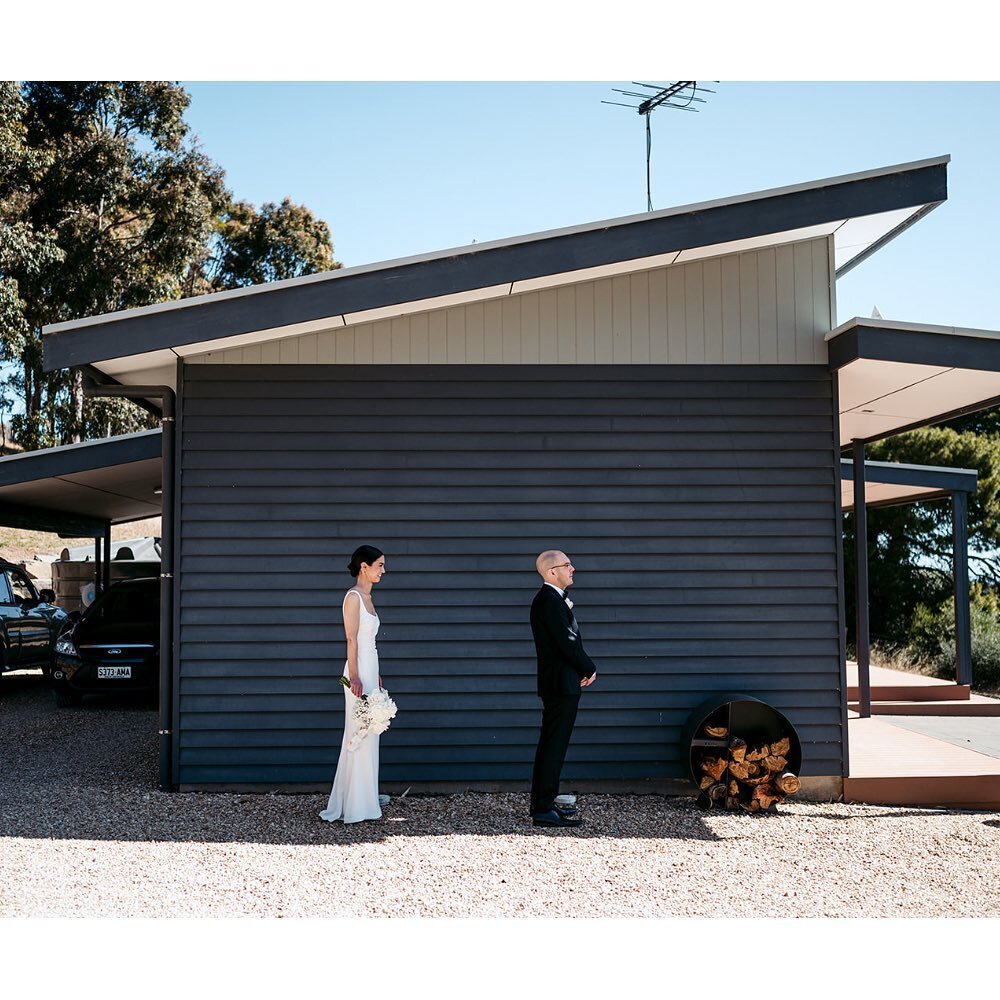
[560, 566]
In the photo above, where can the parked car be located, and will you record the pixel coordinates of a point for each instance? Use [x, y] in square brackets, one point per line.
[28, 625]
[114, 647]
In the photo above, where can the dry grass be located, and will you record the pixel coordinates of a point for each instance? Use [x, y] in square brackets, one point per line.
[898, 659]
[892, 659]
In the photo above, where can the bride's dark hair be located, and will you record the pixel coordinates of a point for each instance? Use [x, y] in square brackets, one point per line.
[363, 554]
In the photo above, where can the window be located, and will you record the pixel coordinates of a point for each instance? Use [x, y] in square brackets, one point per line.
[20, 586]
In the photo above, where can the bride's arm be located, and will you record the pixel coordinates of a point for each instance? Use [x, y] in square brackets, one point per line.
[352, 621]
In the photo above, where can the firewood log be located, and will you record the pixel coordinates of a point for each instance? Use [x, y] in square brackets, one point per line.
[737, 749]
[787, 782]
[775, 764]
[758, 753]
[753, 769]
[734, 788]
[732, 802]
[781, 748]
[738, 770]
[766, 795]
[715, 766]
[706, 782]
[717, 792]
[752, 806]
[716, 732]
[759, 780]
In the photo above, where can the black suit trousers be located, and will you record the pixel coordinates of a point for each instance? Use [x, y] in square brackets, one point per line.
[558, 716]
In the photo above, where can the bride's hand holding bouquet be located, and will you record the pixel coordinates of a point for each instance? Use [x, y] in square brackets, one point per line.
[372, 713]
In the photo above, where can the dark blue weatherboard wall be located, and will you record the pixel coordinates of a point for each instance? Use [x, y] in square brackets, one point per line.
[698, 504]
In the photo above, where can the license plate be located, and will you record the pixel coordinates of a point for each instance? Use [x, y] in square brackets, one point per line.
[114, 673]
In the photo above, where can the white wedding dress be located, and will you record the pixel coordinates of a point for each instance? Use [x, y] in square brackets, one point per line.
[354, 796]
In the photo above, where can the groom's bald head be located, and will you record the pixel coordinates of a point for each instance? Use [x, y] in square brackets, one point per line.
[546, 560]
[555, 567]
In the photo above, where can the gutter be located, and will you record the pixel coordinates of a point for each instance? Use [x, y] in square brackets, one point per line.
[168, 428]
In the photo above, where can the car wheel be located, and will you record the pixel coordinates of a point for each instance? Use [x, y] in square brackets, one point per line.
[66, 698]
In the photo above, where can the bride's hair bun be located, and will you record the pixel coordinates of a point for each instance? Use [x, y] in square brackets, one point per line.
[363, 554]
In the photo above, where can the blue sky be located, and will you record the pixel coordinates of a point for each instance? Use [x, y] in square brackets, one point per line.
[400, 168]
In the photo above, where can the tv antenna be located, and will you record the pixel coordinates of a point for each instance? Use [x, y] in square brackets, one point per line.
[681, 95]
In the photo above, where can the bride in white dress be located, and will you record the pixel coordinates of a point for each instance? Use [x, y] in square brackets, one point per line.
[355, 788]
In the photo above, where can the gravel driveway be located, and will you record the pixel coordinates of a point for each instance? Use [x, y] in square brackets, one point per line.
[86, 833]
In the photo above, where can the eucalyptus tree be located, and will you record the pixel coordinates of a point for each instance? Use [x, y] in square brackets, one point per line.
[107, 202]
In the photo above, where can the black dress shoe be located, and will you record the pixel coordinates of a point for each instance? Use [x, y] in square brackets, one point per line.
[564, 811]
[554, 818]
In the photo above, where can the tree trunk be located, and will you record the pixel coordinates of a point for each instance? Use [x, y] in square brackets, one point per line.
[29, 400]
[76, 398]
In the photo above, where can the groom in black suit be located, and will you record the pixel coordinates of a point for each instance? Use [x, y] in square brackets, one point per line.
[564, 669]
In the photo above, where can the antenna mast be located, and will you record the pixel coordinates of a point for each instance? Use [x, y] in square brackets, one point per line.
[681, 95]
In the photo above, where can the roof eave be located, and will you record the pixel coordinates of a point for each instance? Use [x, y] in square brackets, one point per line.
[356, 290]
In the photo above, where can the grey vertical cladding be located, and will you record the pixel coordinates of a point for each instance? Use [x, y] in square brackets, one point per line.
[697, 502]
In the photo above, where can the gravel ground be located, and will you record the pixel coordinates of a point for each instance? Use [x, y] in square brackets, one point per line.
[88, 834]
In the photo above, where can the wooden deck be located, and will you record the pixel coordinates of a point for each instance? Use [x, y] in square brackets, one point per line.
[890, 765]
[893, 766]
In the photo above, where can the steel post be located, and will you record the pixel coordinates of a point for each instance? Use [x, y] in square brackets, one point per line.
[861, 581]
[960, 563]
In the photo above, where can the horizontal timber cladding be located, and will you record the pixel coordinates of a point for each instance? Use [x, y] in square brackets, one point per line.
[769, 306]
[698, 504]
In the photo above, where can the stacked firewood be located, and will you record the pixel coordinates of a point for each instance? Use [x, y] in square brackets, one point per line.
[742, 777]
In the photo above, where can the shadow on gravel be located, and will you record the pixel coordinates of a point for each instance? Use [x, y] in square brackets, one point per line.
[90, 773]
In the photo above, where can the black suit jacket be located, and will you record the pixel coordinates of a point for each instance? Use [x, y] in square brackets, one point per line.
[562, 660]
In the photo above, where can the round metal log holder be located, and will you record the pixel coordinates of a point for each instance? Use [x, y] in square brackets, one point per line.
[743, 716]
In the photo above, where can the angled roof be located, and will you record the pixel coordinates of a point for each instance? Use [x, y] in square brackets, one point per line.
[894, 376]
[77, 488]
[861, 211]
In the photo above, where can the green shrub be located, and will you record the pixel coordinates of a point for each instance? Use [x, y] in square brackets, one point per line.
[932, 638]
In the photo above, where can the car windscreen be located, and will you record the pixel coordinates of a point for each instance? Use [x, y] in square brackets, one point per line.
[20, 587]
[126, 606]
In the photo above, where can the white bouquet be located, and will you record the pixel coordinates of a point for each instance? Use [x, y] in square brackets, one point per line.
[372, 714]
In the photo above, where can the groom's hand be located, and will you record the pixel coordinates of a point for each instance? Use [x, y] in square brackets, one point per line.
[587, 681]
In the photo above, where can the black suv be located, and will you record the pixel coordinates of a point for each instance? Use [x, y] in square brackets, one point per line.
[114, 647]
[28, 627]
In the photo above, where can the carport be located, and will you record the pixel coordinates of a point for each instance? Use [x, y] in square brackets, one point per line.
[83, 489]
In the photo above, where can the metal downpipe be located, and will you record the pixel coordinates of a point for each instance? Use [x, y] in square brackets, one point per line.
[168, 428]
